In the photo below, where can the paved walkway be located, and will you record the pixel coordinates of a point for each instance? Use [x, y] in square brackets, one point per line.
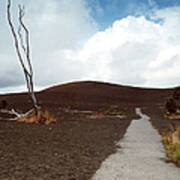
[140, 158]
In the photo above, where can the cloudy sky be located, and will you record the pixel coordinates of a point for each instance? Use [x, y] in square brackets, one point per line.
[128, 42]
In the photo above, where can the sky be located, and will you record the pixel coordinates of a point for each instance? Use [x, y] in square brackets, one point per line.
[127, 42]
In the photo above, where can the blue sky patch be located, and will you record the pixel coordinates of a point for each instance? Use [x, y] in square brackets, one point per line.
[105, 12]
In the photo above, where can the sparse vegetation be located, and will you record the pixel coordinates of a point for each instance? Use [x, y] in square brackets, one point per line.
[171, 140]
[42, 117]
[176, 93]
[172, 145]
[113, 112]
[173, 103]
[171, 106]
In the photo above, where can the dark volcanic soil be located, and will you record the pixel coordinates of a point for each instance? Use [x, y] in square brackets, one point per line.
[74, 147]
[162, 124]
[71, 149]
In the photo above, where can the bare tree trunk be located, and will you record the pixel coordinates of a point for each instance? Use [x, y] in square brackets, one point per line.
[28, 71]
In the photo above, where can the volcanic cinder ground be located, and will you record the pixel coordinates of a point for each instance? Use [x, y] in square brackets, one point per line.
[77, 145]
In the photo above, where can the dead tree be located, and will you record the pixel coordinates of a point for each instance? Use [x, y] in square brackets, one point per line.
[21, 40]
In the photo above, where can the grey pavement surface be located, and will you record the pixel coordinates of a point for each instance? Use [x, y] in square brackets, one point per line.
[141, 156]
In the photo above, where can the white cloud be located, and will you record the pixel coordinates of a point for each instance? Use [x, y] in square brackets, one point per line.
[56, 31]
[61, 24]
[54, 26]
[66, 46]
[135, 51]
[166, 57]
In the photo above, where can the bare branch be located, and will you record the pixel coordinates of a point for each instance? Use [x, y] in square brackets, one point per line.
[15, 37]
[21, 40]
[15, 113]
[28, 72]
[12, 112]
[21, 15]
[30, 85]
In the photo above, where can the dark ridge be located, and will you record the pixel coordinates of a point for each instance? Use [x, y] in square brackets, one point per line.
[106, 93]
[96, 83]
[91, 93]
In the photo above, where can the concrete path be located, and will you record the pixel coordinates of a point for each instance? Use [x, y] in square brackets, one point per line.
[141, 156]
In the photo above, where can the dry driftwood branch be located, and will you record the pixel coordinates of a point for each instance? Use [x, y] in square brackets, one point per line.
[15, 113]
[12, 112]
[28, 70]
